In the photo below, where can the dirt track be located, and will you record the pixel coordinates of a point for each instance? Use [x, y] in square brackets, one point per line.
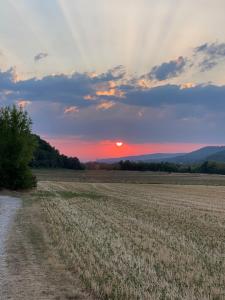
[28, 268]
[8, 209]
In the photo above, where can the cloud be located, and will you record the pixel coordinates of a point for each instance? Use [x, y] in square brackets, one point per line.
[80, 90]
[110, 90]
[89, 97]
[23, 103]
[105, 105]
[40, 56]
[68, 89]
[168, 70]
[71, 110]
[143, 83]
[208, 96]
[187, 85]
[210, 55]
[7, 79]
[116, 73]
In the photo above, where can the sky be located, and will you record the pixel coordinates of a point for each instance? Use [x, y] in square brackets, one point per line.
[147, 73]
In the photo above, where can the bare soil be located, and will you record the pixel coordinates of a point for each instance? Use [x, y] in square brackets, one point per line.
[8, 209]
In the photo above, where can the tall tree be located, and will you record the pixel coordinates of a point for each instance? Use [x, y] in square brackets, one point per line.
[17, 145]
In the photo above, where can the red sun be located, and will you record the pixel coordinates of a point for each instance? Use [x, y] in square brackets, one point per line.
[119, 144]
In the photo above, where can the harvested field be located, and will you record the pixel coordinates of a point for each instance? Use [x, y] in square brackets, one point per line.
[102, 176]
[130, 241]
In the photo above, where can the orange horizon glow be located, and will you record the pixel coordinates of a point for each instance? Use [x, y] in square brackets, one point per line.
[94, 150]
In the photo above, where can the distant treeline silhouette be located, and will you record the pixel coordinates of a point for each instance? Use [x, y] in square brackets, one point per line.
[46, 156]
[207, 167]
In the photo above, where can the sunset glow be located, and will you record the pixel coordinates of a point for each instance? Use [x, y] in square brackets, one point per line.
[89, 150]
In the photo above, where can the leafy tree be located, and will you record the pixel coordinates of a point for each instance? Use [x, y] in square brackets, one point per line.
[16, 149]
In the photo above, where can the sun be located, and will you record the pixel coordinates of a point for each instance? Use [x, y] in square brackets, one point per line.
[119, 144]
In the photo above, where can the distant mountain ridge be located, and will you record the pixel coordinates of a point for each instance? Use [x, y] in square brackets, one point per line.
[217, 157]
[146, 157]
[202, 154]
[208, 153]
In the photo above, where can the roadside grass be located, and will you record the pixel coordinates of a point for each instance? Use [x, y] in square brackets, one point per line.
[129, 241]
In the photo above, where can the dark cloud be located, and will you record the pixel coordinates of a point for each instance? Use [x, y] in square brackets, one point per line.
[116, 73]
[40, 56]
[210, 96]
[210, 55]
[168, 69]
[57, 88]
[205, 57]
[7, 79]
[77, 89]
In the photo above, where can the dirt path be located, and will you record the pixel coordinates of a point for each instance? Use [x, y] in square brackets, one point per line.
[8, 209]
[29, 268]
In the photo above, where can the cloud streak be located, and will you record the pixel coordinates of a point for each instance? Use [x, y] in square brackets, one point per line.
[210, 55]
[71, 110]
[40, 56]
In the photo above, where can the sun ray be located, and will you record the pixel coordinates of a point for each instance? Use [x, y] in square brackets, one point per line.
[41, 40]
[156, 30]
[72, 26]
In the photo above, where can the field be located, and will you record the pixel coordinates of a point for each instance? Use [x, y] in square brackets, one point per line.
[129, 177]
[132, 241]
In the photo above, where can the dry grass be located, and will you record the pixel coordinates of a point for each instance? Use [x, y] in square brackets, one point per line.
[130, 241]
[101, 176]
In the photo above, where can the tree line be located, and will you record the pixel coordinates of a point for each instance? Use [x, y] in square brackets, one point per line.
[207, 167]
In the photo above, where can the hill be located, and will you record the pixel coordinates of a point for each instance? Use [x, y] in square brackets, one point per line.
[218, 157]
[156, 157]
[200, 155]
[213, 153]
[46, 156]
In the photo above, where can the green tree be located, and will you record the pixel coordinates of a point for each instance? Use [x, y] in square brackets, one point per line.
[16, 149]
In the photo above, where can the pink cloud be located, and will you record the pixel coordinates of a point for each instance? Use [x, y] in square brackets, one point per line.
[105, 105]
[71, 110]
[23, 103]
